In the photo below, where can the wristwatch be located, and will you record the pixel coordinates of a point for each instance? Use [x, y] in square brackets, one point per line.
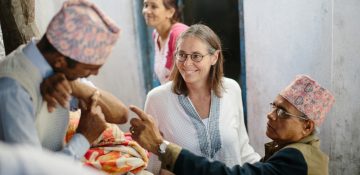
[162, 147]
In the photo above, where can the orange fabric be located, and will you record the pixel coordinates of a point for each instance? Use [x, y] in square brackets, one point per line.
[113, 152]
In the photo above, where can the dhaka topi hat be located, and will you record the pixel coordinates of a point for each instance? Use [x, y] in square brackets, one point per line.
[309, 98]
[82, 32]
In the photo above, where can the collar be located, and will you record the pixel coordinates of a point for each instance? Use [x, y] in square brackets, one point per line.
[273, 147]
[34, 55]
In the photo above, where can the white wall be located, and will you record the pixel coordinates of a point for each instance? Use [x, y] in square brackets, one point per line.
[342, 135]
[319, 38]
[121, 75]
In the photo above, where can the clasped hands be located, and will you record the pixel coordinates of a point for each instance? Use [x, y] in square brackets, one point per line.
[57, 90]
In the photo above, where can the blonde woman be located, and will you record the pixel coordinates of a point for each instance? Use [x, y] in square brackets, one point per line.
[200, 109]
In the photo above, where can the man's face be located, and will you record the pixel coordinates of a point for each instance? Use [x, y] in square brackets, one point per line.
[79, 70]
[285, 130]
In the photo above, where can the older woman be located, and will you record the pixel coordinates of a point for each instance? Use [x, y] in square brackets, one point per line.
[200, 109]
[294, 115]
[163, 15]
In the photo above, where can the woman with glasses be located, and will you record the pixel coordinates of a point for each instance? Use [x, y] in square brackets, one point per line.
[163, 15]
[200, 109]
[295, 114]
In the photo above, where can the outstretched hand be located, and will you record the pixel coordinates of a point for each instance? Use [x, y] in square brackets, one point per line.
[144, 130]
[92, 121]
[56, 90]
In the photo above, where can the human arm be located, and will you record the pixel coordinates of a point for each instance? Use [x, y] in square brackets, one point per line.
[92, 123]
[18, 159]
[17, 120]
[286, 161]
[58, 90]
[181, 161]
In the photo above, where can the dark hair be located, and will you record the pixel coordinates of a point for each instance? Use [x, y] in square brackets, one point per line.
[71, 63]
[205, 34]
[47, 47]
[173, 4]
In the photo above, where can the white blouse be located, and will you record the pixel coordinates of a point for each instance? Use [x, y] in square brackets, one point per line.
[162, 73]
[179, 127]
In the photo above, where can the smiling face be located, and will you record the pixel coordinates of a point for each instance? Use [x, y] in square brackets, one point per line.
[195, 72]
[156, 14]
[290, 129]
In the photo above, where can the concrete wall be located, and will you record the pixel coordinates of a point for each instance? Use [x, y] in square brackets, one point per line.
[122, 74]
[343, 139]
[320, 38]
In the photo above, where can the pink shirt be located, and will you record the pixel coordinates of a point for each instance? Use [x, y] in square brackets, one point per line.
[164, 56]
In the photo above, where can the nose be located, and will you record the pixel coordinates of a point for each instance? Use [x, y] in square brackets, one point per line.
[271, 115]
[95, 72]
[188, 60]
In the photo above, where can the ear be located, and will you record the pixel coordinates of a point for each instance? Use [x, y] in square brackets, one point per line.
[215, 57]
[171, 13]
[59, 62]
[308, 127]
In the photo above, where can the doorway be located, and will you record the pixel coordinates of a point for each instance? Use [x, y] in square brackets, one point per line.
[225, 17]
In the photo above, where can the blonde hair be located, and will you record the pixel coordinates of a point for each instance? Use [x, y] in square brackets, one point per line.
[205, 34]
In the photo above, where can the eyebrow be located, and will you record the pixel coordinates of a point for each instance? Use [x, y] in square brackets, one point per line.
[197, 52]
[281, 106]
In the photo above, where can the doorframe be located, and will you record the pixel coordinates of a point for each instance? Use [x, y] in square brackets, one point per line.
[145, 45]
[242, 58]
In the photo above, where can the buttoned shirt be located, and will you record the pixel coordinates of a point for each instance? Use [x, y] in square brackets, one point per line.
[17, 114]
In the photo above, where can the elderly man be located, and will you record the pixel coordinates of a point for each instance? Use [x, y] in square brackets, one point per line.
[294, 115]
[77, 42]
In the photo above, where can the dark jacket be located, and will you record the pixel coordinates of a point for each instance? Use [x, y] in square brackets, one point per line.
[301, 158]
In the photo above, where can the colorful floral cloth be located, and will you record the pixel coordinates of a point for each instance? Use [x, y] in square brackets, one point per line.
[309, 97]
[81, 31]
[113, 152]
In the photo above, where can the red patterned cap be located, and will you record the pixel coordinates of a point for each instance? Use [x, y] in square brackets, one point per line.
[309, 98]
[81, 31]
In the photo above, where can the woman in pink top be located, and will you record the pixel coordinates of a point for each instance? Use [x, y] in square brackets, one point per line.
[163, 15]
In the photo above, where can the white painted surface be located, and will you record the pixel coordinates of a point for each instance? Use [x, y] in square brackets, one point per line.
[342, 136]
[319, 38]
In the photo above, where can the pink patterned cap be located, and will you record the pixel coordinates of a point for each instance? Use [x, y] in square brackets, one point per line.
[81, 31]
[309, 98]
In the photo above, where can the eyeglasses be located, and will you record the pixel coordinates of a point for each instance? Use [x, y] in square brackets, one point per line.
[196, 57]
[281, 113]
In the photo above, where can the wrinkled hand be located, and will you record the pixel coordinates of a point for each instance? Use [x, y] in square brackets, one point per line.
[92, 121]
[56, 90]
[144, 130]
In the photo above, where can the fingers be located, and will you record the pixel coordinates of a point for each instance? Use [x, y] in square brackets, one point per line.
[63, 90]
[94, 99]
[135, 122]
[97, 110]
[51, 103]
[142, 115]
[82, 105]
[56, 90]
[66, 86]
[60, 98]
